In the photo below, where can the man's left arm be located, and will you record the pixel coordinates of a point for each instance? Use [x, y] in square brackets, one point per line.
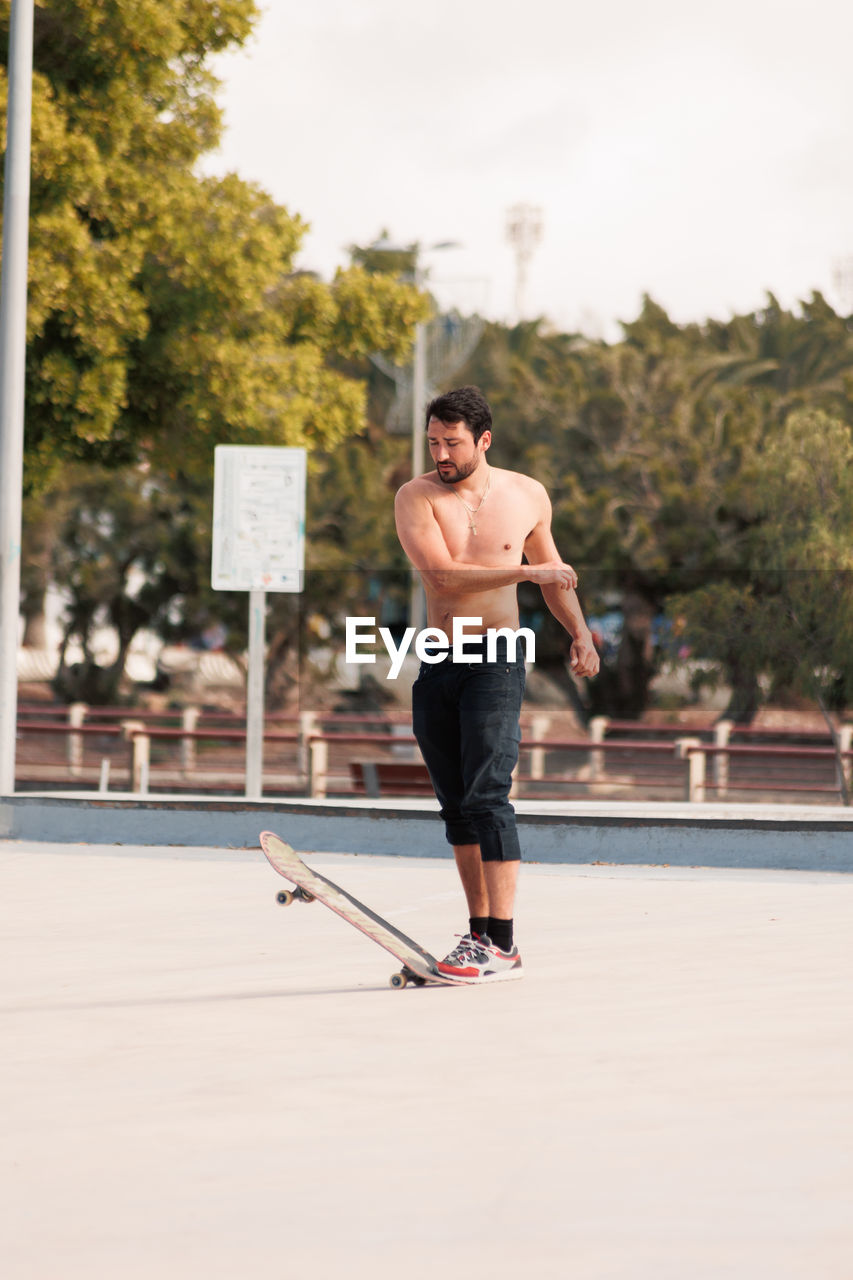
[564, 604]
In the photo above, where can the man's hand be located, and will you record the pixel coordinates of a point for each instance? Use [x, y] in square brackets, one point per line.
[553, 573]
[584, 659]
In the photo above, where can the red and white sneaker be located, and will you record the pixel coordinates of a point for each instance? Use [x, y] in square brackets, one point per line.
[477, 959]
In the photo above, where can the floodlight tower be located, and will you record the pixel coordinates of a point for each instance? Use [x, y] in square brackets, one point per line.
[524, 231]
[842, 279]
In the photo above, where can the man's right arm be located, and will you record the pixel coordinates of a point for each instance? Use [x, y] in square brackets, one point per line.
[423, 542]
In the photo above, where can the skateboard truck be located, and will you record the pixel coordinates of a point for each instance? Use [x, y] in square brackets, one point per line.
[288, 896]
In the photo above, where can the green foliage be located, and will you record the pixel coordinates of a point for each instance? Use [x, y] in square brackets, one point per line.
[127, 550]
[165, 317]
[164, 313]
[704, 465]
[380, 258]
[670, 458]
[792, 615]
[131, 548]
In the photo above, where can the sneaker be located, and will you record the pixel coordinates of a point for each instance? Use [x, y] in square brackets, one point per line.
[477, 959]
[466, 945]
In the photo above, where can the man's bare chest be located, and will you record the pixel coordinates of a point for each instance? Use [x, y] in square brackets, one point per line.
[493, 533]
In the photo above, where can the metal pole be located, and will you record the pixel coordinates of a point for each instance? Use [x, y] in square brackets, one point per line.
[419, 378]
[418, 398]
[255, 695]
[417, 602]
[13, 346]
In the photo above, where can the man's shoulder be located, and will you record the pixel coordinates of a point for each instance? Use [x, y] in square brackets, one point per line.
[520, 482]
[418, 487]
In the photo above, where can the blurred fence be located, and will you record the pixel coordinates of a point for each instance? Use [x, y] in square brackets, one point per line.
[317, 755]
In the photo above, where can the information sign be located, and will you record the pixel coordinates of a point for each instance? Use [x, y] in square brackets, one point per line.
[258, 518]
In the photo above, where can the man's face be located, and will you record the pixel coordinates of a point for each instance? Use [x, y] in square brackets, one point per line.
[453, 450]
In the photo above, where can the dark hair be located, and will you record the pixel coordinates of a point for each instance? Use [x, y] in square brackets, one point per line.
[465, 404]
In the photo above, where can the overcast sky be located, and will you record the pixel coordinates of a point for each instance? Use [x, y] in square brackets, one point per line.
[700, 153]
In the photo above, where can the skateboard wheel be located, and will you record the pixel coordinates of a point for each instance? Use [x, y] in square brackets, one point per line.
[304, 895]
[399, 980]
[285, 897]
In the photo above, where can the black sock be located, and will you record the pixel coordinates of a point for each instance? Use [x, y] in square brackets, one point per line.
[500, 932]
[478, 925]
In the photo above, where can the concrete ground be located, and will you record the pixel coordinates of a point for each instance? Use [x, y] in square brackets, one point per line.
[199, 1083]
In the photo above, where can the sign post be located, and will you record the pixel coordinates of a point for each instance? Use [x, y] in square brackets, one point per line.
[13, 355]
[258, 546]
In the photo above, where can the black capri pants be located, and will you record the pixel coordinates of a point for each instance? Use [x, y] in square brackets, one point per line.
[465, 717]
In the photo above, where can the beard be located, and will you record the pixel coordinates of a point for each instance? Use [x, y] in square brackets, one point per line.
[451, 474]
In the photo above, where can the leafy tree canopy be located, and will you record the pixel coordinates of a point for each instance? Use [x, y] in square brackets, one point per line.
[791, 616]
[658, 452]
[165, 315]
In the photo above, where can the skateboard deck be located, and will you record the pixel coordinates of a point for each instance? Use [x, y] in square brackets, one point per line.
[419, 967]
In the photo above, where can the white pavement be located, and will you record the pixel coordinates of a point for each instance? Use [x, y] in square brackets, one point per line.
[197, 1083]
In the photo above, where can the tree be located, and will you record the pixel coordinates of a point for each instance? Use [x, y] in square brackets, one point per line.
[122, 108]
[639, 468]
[651, 449]
[793, 360]
[125, 552]
[792, 617]
[131, 549]
[160, 301]
[166, 314]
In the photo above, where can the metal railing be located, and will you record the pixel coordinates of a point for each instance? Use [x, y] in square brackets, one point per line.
[318, 755]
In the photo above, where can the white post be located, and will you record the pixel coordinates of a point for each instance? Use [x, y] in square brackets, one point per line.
[694, 786]
[318, 780]
[307, 727]
[539, 726]
[141, 763]
[189, 723]
[13, 342]
[140, 754]
[722, 735]
[76, 716]
[597, 730]
[845, 738]
[104, 779]
[255, 695]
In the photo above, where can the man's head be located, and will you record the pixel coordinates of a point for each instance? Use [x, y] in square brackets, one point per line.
[459, 433]
[467, 405]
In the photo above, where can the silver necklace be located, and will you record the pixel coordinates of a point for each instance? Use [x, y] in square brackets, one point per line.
[472, 511]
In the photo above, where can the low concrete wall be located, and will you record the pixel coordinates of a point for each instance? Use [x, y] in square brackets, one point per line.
[802, 838]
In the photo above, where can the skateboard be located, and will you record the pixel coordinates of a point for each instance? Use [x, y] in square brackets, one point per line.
[419, 969]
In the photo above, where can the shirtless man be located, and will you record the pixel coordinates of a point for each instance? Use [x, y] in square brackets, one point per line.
[465, 527]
